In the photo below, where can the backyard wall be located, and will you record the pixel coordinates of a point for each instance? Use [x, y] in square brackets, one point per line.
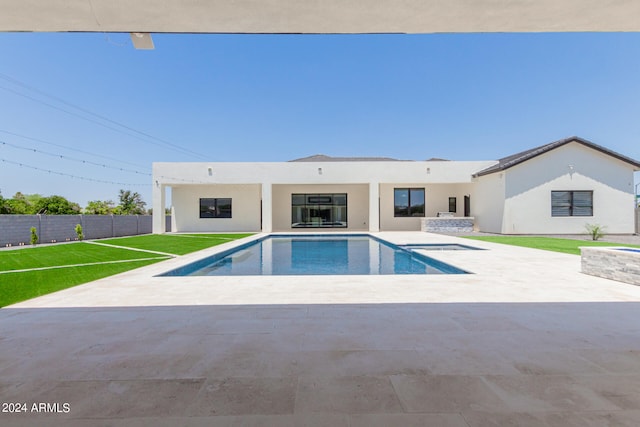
[15, 229]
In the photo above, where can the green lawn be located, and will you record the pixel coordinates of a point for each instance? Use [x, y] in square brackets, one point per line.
[16, 287]
[20, 286]
[64, 254]
[177, 244]
[568, 246]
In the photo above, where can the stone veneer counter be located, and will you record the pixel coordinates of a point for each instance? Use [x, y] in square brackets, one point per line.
[616, 263]
[448, 224]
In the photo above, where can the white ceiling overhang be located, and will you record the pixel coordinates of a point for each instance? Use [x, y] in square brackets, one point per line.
[320, 16]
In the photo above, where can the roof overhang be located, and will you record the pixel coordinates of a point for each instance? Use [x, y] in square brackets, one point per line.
[514, 160]
[319, 16]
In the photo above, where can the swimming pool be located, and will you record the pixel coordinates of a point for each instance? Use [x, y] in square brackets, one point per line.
[315, 255]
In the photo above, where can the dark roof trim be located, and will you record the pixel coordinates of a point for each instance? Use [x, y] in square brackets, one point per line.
[515, 159]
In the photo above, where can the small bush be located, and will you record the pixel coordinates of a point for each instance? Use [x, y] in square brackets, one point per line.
[79, 232]
[34, 236]
[595, 230]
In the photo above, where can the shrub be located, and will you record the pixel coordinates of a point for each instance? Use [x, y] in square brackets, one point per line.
[34, 236]
[79, 232]
[595, 230]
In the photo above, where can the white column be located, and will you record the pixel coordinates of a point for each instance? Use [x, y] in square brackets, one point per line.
[159, 220]
[374, 206]
[267, 208]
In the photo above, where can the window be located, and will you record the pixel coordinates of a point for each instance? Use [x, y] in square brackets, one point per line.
[408, 202]
[319, 210]
[215, 208]
[572, 203]
[453, 204]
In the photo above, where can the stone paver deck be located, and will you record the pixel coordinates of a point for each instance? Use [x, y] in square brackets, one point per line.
[526, 340]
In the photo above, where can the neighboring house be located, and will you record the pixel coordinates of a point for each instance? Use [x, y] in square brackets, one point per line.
[552, 189]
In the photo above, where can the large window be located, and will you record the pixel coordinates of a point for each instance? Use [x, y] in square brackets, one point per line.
[408, 202]
[215, 208]
[572, 203]
[318, 210]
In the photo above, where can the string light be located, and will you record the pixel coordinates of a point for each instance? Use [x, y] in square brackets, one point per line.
[83, 178]
[89, 162]
[121, 128]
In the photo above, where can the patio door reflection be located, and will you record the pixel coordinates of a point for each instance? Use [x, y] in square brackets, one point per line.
[319, 210]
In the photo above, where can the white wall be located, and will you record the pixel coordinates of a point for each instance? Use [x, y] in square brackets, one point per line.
[357, 205]
[309, 173]
[436, 200]
[487, 202]
[245, 208]
[182, 176]
[570, 167]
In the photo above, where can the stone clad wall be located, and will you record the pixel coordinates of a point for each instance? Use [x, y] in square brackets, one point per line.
[623, 266]
[448, 224]
[15, 229]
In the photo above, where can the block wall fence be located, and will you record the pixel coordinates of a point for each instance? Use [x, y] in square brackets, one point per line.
[16, 229]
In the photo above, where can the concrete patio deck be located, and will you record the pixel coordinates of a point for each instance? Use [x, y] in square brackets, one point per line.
[526, 340]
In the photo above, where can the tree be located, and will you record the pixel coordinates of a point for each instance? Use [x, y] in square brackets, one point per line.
[99, 207]
[56, 205]
[4, 207]
[130, 203]
[19, 205]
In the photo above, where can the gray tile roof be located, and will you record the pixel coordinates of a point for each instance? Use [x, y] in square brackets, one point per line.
[515, 159]
[324, 158]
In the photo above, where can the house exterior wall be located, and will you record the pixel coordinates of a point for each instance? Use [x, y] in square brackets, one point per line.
[436, 200]
[487, 202]
[245, 208]
[357, 205]
[514, 201]
[527, 205]
[186, 180]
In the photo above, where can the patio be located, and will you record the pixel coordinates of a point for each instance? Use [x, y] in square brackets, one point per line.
[527, 340]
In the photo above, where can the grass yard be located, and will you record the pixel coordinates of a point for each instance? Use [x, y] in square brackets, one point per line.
[568, 246]
[16, 287]
[177, 244]
[64, 254]
[60, 269]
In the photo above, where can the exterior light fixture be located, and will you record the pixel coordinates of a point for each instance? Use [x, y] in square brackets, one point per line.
[142, 41]
[428, 171]
[210, 170]
[157, 183]
[319, 171]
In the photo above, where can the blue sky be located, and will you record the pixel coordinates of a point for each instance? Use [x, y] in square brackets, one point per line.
[280, 97]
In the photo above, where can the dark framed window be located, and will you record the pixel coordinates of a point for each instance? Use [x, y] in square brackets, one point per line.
[408, 202]
[215, 208]
[453, 204]
[572, 203]
[319, 210]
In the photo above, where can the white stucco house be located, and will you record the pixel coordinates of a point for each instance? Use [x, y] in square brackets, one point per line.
[555, 188]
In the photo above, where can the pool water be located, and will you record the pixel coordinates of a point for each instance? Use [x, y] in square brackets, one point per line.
[315, 255]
